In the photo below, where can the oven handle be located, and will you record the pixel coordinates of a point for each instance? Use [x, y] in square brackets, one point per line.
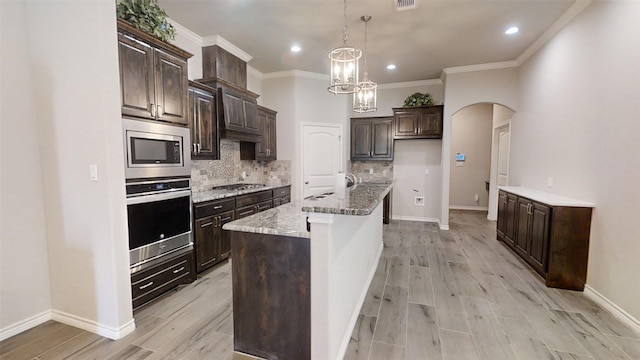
[158, 197]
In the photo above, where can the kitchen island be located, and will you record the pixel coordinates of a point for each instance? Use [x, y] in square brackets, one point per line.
[297, 293]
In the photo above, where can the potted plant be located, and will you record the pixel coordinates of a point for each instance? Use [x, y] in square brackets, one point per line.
[147, 16]
[418, 99]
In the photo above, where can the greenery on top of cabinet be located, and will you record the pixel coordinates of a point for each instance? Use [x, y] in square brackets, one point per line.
[147, 16]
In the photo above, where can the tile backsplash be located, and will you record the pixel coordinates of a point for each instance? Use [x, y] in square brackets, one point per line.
[381, 170]
[206, 174]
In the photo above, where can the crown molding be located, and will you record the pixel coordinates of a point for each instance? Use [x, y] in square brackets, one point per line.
[254, 72]
[183, 31]
[562, 21]
[295, 73]
[480, 67]
[225, 44]
[406, 84]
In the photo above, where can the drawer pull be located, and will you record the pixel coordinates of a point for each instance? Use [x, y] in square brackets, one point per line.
[206, 224]
[145, 286]
[246, 212]
[227, 218]
[217, 207]
[178, 270]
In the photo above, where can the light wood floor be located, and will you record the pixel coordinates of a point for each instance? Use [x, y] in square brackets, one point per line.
[455, 294]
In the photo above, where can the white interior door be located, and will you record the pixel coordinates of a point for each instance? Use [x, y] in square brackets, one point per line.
[503, 155]
[321, 157]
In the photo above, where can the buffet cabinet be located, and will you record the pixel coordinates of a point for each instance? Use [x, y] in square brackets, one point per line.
[553, 238]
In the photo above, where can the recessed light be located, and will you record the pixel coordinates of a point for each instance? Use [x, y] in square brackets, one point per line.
[391, 66]
[512, 30]
[295, 48]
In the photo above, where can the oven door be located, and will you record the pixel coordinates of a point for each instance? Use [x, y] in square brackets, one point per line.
[158, 224]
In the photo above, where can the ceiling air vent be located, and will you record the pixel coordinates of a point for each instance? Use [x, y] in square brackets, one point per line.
[402, 5]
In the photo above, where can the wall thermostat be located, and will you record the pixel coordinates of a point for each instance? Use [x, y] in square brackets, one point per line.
[459, 157]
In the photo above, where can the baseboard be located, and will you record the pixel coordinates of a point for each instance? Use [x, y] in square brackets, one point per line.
[611, 307]
[24, 325]
[414, 218]
[92, 326]
[473, 208]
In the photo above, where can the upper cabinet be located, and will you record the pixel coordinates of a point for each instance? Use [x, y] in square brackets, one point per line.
[266, 145]
[371, 138]
[153, 77]
[203, 122]
[424, 122]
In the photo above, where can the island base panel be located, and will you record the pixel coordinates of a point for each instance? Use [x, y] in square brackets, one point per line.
[271, 295]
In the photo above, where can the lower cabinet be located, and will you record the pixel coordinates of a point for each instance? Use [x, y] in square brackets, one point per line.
[281, 195]
[253, 203]
[552, 239]
[159, 278]
[211, 243]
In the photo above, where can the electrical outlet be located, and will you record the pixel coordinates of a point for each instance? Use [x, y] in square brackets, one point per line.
[370, 171]
[418, 201]
[549, 182]
[476, 197]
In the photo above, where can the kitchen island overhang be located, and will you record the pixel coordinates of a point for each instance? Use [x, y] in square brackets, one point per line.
[297, 294]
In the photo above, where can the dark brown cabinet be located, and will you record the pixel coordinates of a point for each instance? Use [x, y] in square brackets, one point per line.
[424, 122]
[552, 239]
[371, 138]
[153, 77]
[211, 242]
[159, 278]
[253, 203]
[266, 145]
[203, 123]
[281, 195]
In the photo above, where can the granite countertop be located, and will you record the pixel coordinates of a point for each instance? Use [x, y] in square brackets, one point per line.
[284, 220]
[361, 199]
[545, 197]
[202, 196]
[291, 219]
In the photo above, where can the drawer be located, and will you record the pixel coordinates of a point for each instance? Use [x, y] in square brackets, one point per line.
[253, 198]
[285, 200]
[245, 211]
[282, 191]
[265, 205]
[148, 284]
[213, 207]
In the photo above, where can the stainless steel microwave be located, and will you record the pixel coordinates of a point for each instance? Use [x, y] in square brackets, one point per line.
[155, 150]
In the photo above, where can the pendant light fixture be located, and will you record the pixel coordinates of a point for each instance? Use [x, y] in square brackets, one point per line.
[364, 99]
[344, 64]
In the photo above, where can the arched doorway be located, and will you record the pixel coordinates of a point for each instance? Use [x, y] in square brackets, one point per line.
[479, 151]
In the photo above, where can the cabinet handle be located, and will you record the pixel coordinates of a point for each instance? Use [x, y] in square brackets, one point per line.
[206, 224]
[198, 148]
[153, 110]
[217, 207]
[160, 110]
[247, 212]
[194, 148]
[227, 218]
[145, 286]
[178, 270]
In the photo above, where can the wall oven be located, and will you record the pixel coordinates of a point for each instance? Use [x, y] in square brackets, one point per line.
[155, 150]
[159, 215]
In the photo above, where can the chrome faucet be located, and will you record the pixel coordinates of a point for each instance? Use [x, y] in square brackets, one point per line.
[352, 178]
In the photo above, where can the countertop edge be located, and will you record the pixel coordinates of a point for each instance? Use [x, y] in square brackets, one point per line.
[545, 197]
[363, 211]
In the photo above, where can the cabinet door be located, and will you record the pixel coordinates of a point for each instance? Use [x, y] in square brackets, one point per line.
[522, 233]
[171, 88]
[137, 89]
[406, 124]
[510, 221]
[430, 123]
[382, 139]
[272, 137]
[539, 233]
[207, 130]
[233, 112]
[360, 139]
[207, 242]
[262, 144]
[193, 122]
[245, 211]
[225, 235]
[502, 213]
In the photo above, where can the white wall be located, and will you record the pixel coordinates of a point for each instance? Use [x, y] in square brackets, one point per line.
[579, 112]
[75, 96]
[24, 265]
[471, 132]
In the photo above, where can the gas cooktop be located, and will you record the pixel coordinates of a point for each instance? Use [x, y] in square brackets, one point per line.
[236, 187]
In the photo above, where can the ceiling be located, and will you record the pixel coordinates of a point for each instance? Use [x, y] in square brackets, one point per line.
[421, 42]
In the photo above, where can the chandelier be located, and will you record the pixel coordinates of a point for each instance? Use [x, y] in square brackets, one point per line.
[344, 64]
[364, 99]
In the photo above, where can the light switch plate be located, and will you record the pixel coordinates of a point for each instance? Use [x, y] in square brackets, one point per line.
[93, 172]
